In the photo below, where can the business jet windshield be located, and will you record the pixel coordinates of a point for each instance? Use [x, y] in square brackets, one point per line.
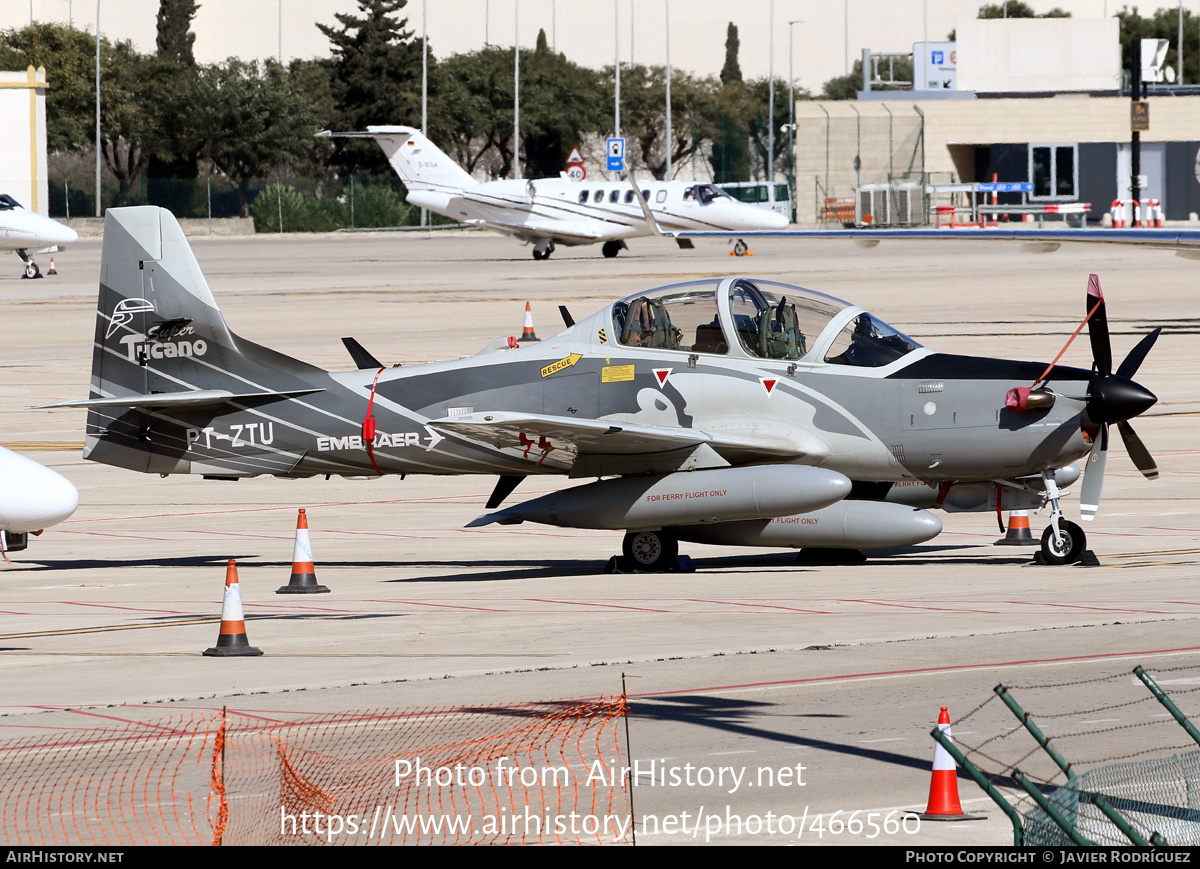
[768, 320]
[7, 203]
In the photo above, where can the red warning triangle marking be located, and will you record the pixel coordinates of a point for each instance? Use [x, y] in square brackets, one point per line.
[575, 157]
[662, 374]
[768, 384]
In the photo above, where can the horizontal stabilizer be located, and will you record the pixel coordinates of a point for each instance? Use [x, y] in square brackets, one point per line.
[190, 398]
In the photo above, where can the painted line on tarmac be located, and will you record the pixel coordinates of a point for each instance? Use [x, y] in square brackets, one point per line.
[893, 674]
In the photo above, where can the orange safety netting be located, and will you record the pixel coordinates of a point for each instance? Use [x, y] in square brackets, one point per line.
[538, 773]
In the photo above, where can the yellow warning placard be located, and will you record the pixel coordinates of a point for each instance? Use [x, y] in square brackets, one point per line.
[616, 373]
[555, 367]
[1139, 116]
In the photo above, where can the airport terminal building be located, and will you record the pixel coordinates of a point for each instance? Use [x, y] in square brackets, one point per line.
[1066, 128]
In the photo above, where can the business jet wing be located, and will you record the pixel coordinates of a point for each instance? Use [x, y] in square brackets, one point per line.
[526, 225]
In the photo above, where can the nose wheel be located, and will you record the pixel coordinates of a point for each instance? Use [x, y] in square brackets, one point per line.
[1065, 547]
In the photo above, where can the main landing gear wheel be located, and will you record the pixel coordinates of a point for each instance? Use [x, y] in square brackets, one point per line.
[650, 550]
[541, 254]
[611, 248]
[1067, 547]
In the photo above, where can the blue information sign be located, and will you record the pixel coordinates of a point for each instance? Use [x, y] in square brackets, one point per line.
[616, 155]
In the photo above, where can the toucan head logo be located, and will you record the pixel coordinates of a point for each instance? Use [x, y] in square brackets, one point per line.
[124, 311]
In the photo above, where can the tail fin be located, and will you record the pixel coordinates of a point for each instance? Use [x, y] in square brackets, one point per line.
[163, 357]
[418, 162]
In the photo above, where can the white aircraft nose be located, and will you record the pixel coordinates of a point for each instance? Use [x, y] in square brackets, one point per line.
[66, 235]
[32, 496]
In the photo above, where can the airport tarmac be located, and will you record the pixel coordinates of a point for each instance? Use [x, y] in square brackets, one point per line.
[751, 661]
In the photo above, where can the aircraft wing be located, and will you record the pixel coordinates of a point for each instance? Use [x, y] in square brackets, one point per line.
[593, 446]
[1185, 241]
[511, 219]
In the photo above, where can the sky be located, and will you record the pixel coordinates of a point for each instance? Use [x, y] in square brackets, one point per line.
[589, 32]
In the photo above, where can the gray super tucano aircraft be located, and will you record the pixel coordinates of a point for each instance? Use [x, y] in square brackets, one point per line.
[727, 410]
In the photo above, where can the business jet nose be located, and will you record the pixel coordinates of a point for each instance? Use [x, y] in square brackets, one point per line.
[66, 235]
[762, 218]
[32, 496]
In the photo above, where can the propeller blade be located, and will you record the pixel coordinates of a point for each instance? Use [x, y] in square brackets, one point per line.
[1093, 478]
[1098, 327]
[1138, 452]
[1136, 356]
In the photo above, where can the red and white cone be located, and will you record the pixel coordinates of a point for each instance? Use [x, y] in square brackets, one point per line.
[53, 271]
[231, 641]
[1018, 533]
[304, 574]
[943, 787]
[527, 333]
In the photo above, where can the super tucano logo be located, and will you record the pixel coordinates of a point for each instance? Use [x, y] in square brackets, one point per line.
[166, 339]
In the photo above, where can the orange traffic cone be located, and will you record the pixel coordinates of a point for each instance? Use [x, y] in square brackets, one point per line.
[1018, 533]
[231, 641]
[943, 787]
[304, 574]
[527, 333]
[52, 270]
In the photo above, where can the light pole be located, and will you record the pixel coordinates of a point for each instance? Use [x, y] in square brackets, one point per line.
[667, 8]
[517, 89]
[771, 102]
[424, 86]
[792, 118]
[617, 68]
[97, 108]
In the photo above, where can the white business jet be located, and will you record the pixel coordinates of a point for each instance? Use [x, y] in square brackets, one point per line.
[32, 497]
[27, 233]
[550, 211]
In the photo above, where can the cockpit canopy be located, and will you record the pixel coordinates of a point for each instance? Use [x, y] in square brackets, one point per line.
[7, 203]
[761, 319]
[704, 193]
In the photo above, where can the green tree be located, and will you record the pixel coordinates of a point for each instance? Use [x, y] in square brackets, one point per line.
[376, 77]
[1163, 25]
[846, 87]
[731, 136]
[175, 38]
[257, 121]
[1017, 9]
[560, 102]
[69, 58]
[732, 70]
[643, 114]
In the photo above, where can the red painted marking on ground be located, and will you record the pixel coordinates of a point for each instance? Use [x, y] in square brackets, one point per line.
[600, 605]
[110, 606]
[790, 609]
[933, 609]
[912, 672]
[1104, 609]
[440, 605]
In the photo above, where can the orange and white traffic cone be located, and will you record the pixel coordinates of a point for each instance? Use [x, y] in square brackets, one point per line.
[943, 787]
[527, 333]
[1018, 533]
[231, 641]
[52, 270]
[304, 574]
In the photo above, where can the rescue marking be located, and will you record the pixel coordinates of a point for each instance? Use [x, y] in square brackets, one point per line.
[661, 375]
[566, 362]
